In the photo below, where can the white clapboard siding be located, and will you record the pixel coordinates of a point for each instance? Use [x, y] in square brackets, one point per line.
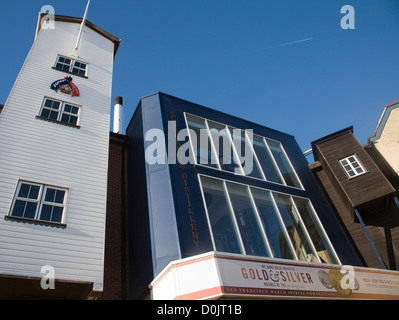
[40, 151]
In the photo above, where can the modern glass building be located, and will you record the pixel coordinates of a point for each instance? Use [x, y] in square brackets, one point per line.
[203, 181]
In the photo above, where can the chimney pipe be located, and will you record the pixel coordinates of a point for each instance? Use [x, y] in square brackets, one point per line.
[118, 115]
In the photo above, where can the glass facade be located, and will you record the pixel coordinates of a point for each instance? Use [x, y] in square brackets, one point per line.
[254, 221]
[239, 151]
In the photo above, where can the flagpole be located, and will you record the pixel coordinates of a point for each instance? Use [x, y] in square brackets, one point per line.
[75, 51]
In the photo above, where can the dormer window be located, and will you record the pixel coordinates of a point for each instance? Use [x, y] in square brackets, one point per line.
[71, 66]
[352, 166]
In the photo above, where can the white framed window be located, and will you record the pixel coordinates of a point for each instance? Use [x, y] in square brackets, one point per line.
[35, 201]
[71, 65]
[60, 111]
[352, 166]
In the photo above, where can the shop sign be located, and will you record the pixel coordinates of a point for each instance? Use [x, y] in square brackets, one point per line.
[228, 275]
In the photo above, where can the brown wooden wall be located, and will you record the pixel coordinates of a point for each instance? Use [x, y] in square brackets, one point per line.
[359, 190]
[355, 229]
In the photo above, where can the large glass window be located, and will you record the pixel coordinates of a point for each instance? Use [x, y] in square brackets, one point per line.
[255, 221]
[315, 230]
[39, 202]
[223, 226]
[271, 222]
[298, 235]
[240, 152]
[247, 220]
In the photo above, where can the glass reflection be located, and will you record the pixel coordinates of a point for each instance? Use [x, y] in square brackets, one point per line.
[248, 224]
[224, 232]
[272, 225]
[292, 224]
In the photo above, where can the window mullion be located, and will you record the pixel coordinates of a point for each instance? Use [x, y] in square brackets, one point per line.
[321, 227]
[269, 249]
[40, 202]
[62, 106]
[286, 235]
[274, 161]
[234, 150]
[255, 156]
[213, 148]
[207, 213]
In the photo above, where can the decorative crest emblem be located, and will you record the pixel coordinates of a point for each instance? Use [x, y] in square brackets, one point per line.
[66, 86]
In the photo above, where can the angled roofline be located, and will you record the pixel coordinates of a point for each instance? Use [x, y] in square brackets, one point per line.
[383, 121]
[327, 138]
[89, 24]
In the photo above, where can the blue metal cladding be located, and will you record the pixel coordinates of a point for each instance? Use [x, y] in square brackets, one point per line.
[177, 221]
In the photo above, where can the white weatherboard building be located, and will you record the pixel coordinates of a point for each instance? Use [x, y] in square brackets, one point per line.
[54, 143]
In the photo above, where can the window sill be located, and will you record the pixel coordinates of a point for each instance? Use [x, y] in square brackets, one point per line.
[69, 72]
[358, 175]
[38, 222]
[59, 122]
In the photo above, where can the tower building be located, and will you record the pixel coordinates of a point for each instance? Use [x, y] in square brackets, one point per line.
[54, 163]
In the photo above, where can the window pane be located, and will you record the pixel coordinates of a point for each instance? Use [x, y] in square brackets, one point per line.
[223, 230]
[65, 118]
[53, 115]
[34, 192]
[315, 232]
[19, 208]
[45, 113]
[46, 213]
[51, 213]
[359, 170]
[271, 224]
[57, 214]
[50, 195]
[292, 224]
[283, 163]
[30, 210]
[59, 196]
[203, 150]
[24, 190]
[28, 191]
[245, 151]
[55, 105]
[247, 221]
[54, 195]
[73, 120]
[265, 159]
[222, 143]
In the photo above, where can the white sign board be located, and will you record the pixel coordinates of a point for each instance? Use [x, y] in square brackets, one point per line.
[216, 275]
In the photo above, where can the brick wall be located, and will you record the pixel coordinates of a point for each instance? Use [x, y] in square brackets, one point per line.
[115, 263]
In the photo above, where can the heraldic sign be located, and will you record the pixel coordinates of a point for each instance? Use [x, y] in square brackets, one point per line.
[66, 86]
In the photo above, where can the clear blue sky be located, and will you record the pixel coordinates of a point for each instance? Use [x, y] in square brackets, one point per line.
[284, 64]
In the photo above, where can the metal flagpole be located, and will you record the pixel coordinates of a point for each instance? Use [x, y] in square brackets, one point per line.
[75, 51]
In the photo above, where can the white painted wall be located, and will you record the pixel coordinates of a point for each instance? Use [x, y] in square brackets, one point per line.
[50, 153]
[388, 142]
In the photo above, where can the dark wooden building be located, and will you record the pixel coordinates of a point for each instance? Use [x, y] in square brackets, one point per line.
[363, 197]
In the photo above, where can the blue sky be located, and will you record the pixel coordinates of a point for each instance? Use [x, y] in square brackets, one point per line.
[285, 64]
